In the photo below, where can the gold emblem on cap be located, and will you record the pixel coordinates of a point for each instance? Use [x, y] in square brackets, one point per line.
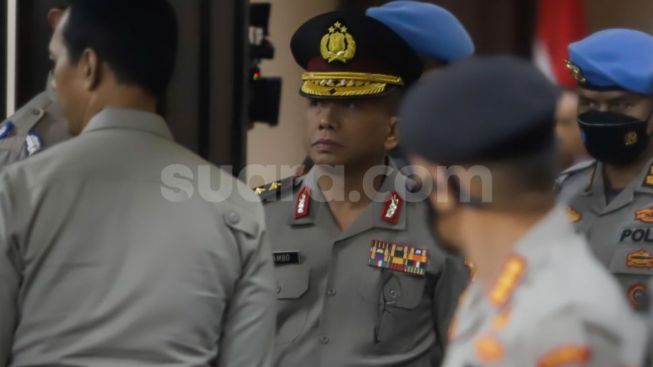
[576, 72]
[338, 44]
[631, 138]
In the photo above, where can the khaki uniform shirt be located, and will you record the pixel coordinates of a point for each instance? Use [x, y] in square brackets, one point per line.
[106, 261]
[552, 305]
[379, 294]
[35, 126]
[620, 232]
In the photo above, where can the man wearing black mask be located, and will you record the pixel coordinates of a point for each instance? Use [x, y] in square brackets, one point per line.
[614, 207]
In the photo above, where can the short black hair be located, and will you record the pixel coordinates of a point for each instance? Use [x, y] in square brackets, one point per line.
[136, 38]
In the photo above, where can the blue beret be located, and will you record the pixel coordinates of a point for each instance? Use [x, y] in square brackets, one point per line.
[614, 59]
[428, 29]
[477, 110]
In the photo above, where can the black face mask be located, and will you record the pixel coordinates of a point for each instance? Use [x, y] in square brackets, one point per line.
[612, 137]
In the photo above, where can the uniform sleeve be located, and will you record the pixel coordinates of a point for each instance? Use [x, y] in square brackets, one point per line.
[566, 340]
[249, 329]
[450, 286]
[9, 275]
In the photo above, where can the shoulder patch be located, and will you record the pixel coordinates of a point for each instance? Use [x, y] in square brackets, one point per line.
[275, 190]
[6, 129]
[33, 144]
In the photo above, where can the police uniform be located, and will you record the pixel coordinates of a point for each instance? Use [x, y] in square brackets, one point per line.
[380, 293]
[617, 225]
[35, 126]
[107, 260]
[552, 303]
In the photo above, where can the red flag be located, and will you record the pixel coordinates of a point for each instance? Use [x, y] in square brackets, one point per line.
[559, 23]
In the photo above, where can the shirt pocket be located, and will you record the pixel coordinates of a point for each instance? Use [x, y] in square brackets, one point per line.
[633, 267]
[292, 285]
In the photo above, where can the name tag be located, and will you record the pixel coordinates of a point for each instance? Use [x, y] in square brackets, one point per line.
[286, 257]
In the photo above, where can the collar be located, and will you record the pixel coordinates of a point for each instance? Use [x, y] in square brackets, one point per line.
[387, 209]
[125, 119]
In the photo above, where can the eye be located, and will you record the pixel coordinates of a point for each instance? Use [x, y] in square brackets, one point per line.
[352, 105]
[314, 102]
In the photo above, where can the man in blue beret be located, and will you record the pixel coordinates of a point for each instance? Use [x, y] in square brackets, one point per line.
[612, 196]
[491, 158]
[431, 30]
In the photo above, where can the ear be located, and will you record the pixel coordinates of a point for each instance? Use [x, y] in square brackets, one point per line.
[91, 68]
[54, 15]
[392, 140]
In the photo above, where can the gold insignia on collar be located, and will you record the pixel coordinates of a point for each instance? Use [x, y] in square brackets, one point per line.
[574, 215]
[576, 72]
[338, 44]
[260, 190]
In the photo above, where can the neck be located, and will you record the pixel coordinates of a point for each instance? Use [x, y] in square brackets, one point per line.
[121, 97]
[348, 186]
[621, 176]
[491, 237]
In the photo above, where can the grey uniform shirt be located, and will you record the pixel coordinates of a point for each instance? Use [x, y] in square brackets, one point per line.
[35, 126]
[552, 305]
[340, 303]
[98, 269]
[620, 232]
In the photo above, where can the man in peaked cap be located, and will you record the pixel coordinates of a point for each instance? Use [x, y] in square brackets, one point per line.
[360, 279]
[614, 207]
[39, 123]
[530, 303]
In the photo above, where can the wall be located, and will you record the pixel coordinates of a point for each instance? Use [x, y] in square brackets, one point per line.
[637, 14]
[284, 144]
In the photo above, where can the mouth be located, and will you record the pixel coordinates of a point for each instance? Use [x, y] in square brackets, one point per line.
[326, 144]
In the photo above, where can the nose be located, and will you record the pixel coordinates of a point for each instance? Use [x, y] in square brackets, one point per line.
[328, 117]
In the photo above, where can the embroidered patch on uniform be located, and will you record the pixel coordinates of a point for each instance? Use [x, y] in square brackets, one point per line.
[508, 280]
[566, 355]
[6, 129]
[489, 350]
[648, 181]
[640, 259]
[33, 144]
[573, 214]
[636, 295]
[303, 204]
[402, 258]
[392, 208]
[286, 257]
[644, 215]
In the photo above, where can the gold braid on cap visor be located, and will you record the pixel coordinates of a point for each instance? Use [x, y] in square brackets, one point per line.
[347, 84]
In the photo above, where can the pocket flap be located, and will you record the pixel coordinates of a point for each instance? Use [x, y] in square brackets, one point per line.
[292, 281]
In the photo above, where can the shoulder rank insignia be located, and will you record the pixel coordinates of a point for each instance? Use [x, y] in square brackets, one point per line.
[573, 214]
[274, 190]
[644, 215]
[338, 44]
[640, 259]
[568, 355]
[402, 258]
[489, 350]
[508, 280]
[392, 208]
[33, 144]
[6, 129]
[648, 180]
[303, 204]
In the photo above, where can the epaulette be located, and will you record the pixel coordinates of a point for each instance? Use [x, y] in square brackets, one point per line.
[275, 190]
[573, 170]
